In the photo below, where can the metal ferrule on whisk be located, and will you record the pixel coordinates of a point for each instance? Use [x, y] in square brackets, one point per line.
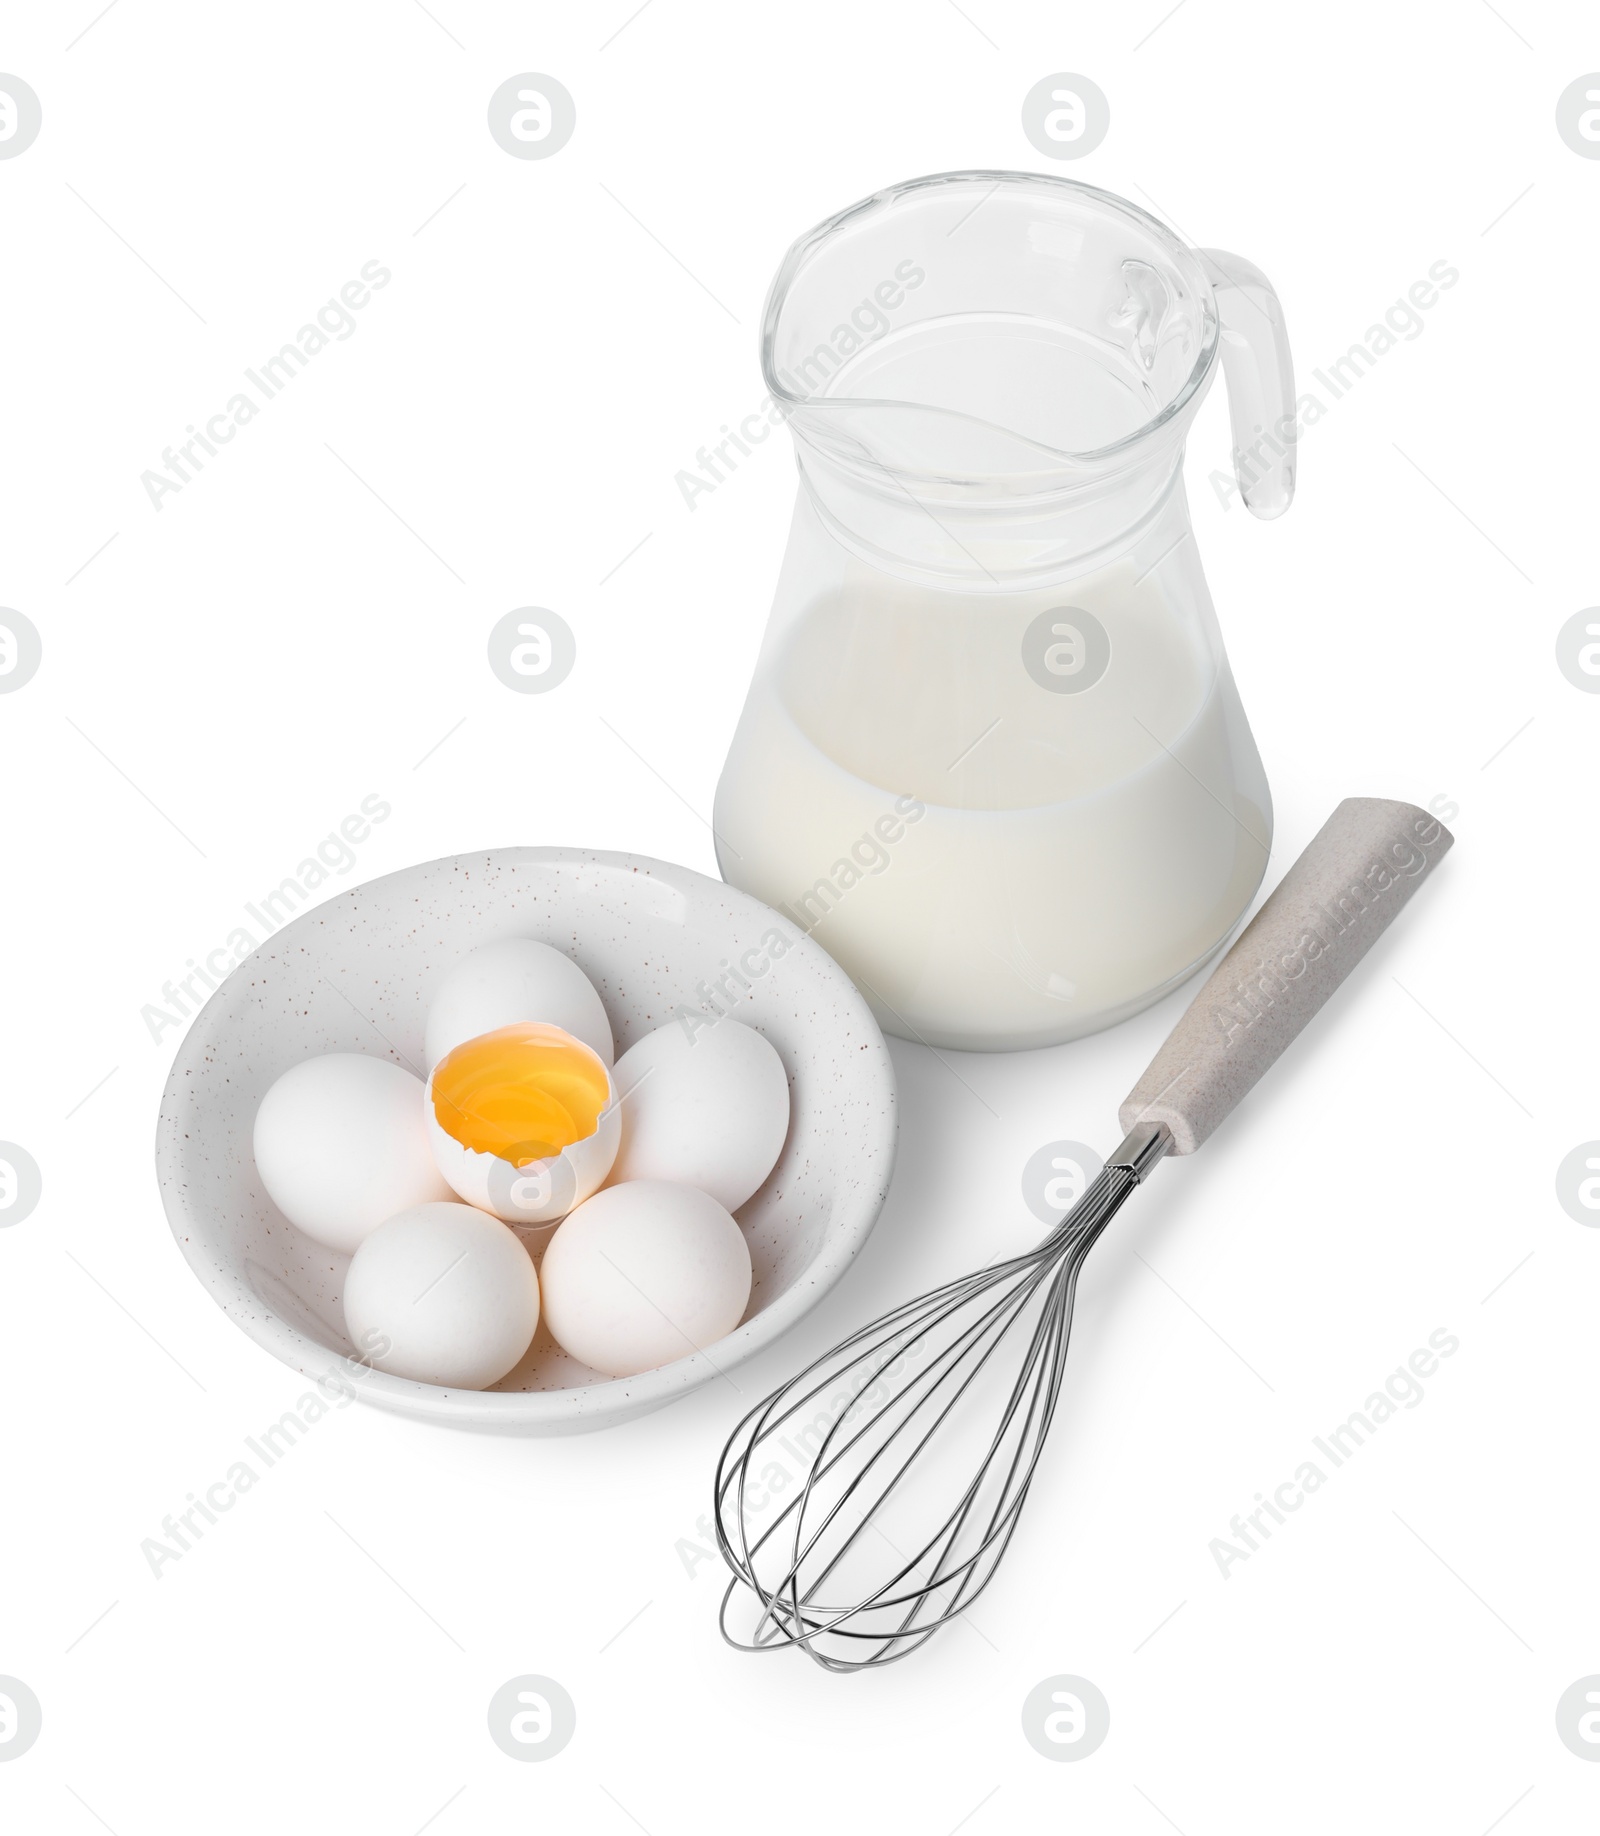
[1141, 1148]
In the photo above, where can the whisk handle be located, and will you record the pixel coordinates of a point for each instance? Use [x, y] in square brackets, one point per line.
[1333, 904]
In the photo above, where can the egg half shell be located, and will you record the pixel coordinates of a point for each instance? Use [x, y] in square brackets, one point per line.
[542, 1191]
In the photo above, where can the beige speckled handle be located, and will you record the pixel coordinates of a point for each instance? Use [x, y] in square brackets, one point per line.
[1328, 910]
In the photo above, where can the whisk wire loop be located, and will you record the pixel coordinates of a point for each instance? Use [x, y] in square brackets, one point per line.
[927, 1372]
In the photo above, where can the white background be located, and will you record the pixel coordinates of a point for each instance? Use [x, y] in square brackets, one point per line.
[275, 643]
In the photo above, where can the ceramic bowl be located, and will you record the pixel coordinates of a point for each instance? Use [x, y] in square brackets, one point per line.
[357, 973]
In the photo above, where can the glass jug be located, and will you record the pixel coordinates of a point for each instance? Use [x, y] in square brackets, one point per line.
[992, 756]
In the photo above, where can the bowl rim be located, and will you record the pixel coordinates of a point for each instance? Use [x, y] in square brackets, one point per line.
[583, 1405]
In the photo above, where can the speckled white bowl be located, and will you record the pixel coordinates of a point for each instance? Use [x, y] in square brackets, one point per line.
[356, 975]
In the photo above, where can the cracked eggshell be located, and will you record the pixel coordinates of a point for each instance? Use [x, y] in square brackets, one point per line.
[543, 1191]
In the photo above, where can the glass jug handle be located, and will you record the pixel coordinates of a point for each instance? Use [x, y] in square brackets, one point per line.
[1260, 373]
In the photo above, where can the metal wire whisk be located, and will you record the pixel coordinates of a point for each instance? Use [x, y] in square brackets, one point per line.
[831, 1572]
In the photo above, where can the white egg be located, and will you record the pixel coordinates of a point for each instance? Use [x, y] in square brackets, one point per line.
[644, 1274]
[442, 1294]
[711, 1110]
[520, 1188]
[512, 980]
[341, 1143]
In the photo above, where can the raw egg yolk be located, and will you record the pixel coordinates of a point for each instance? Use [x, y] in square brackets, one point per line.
[522, 1093]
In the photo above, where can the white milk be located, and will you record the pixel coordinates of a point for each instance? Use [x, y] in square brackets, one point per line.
[996, 865]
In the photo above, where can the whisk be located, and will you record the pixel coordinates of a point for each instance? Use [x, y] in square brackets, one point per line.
[936, 1413]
